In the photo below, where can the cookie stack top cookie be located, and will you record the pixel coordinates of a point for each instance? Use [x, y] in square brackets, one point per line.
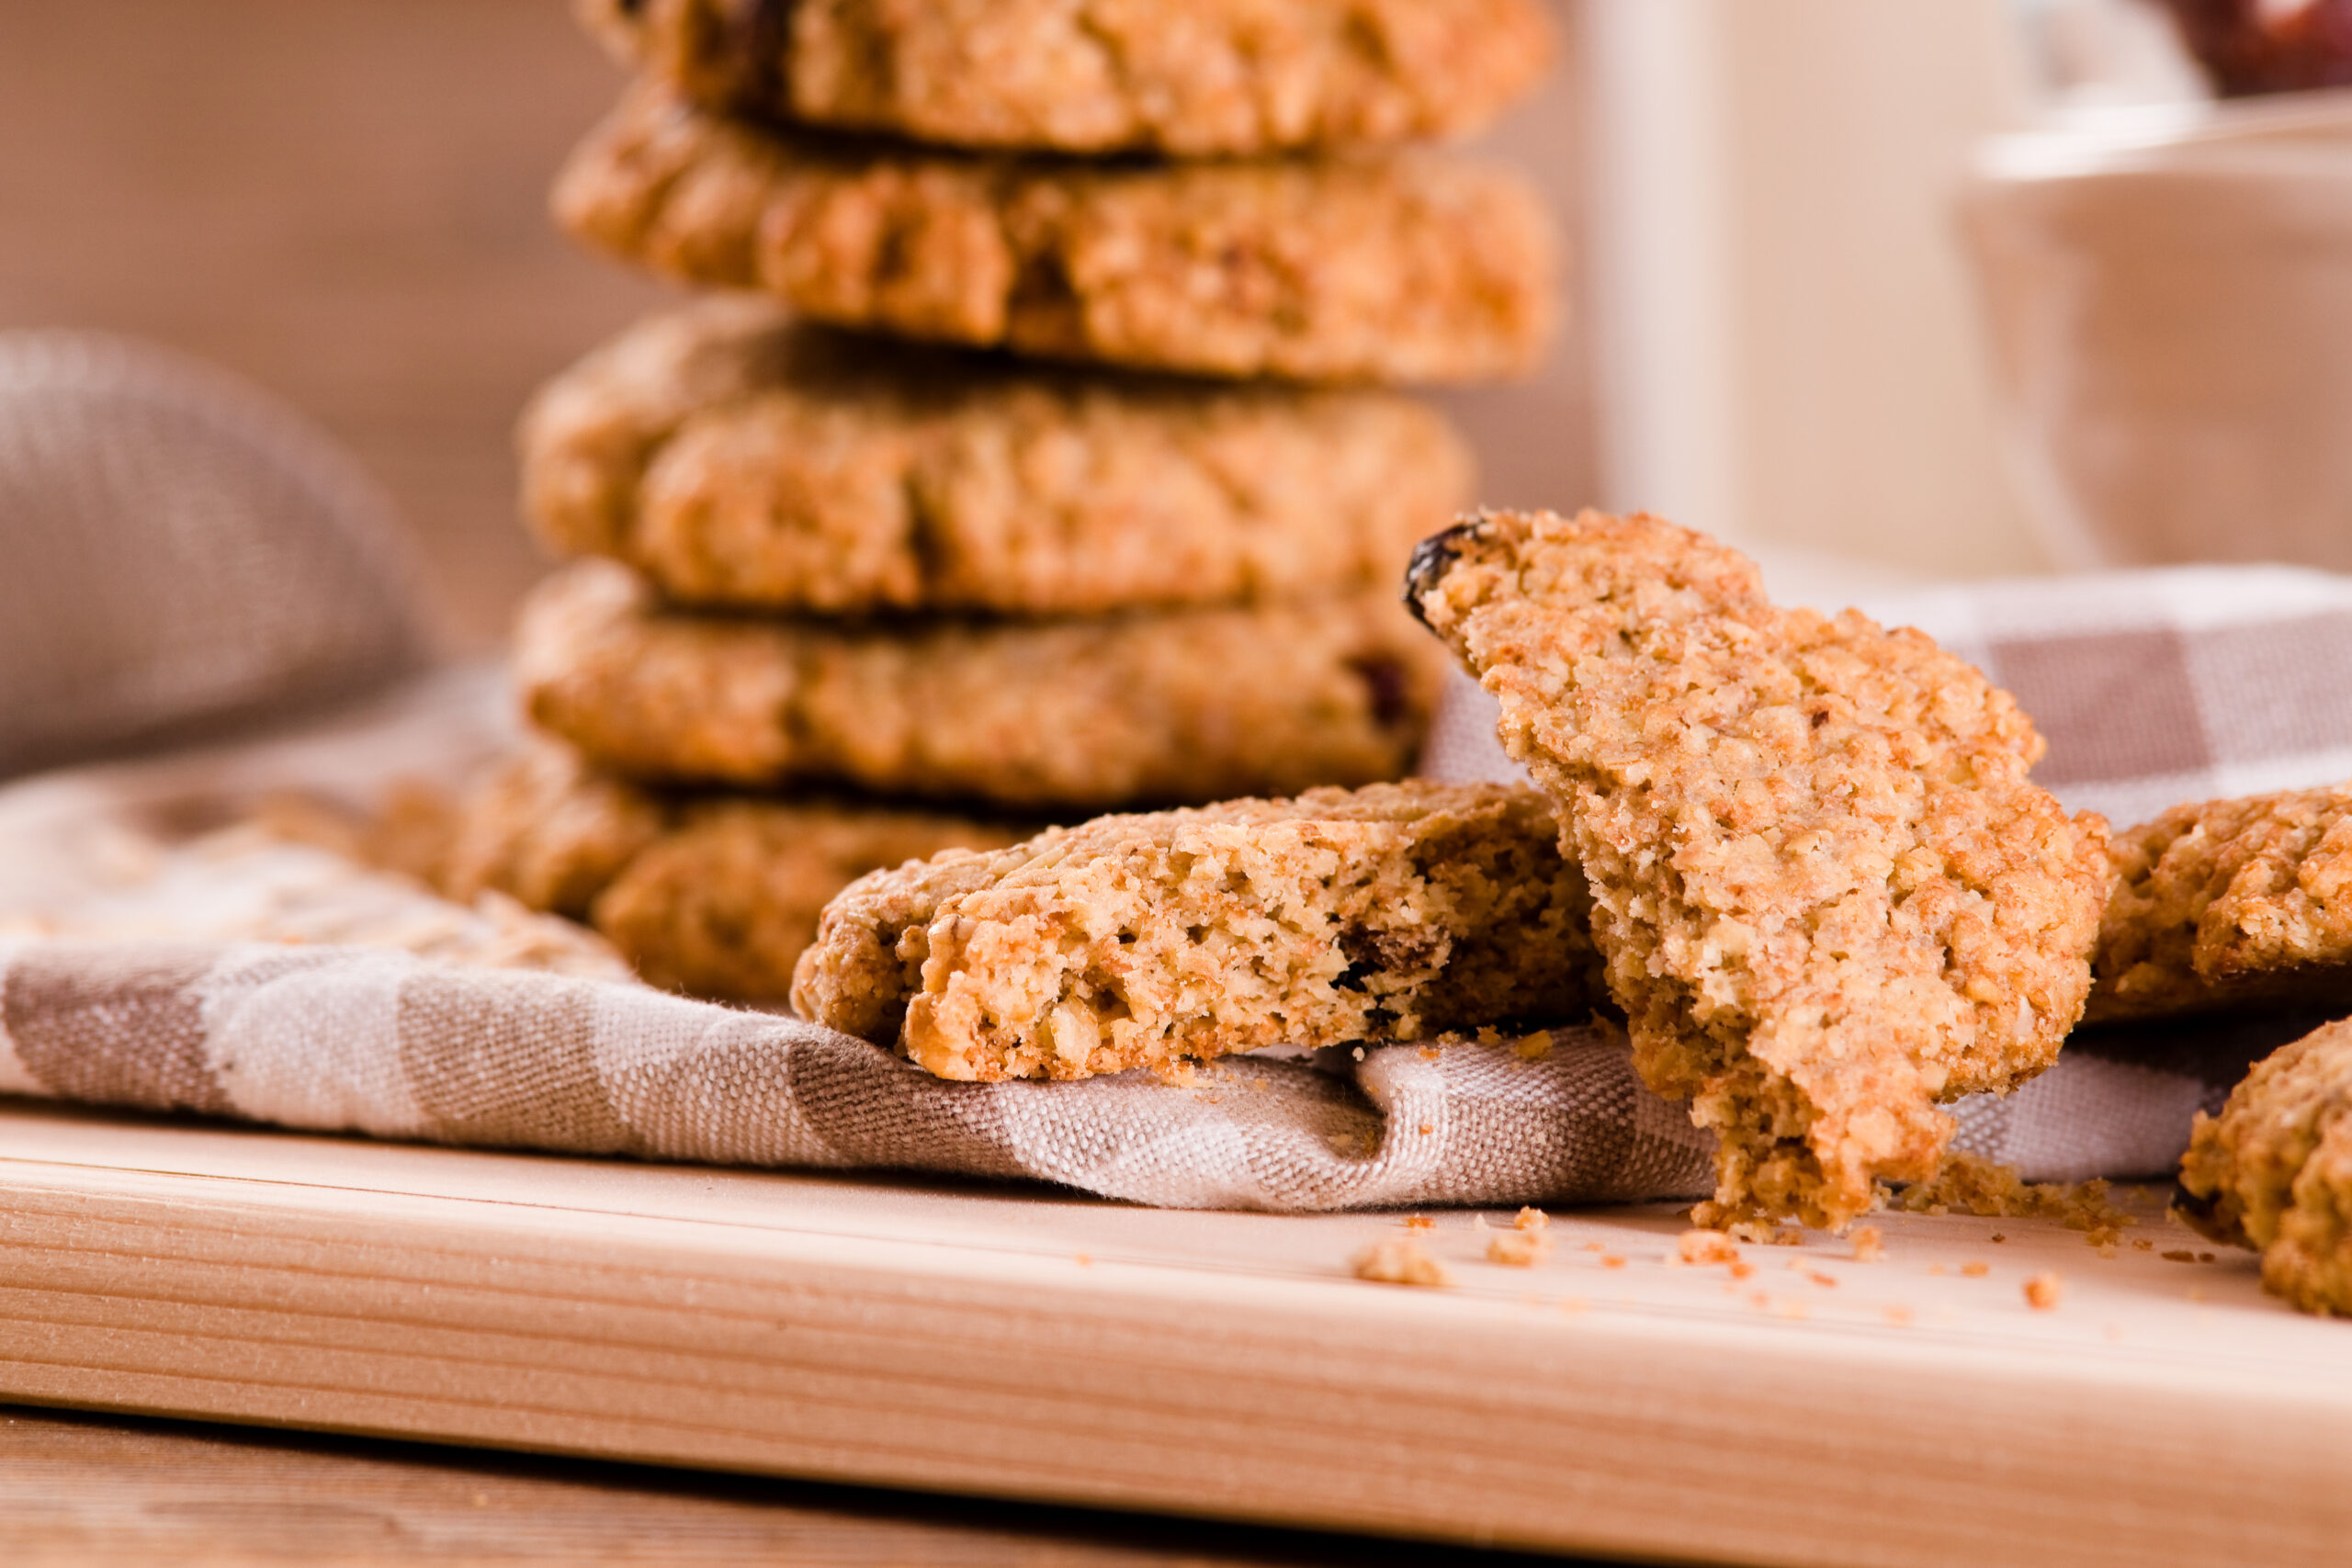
[1000, 175]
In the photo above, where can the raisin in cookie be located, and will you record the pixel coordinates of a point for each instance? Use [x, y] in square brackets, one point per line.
[1410, 267]
[1199, 705]
[1395, 912]
[1828, 894]
[2227, 903]
[740, 460]
[2274, 1170]
[714, 896]
[1198, 78]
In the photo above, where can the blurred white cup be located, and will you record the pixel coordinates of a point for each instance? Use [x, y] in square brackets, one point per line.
[2169, 298]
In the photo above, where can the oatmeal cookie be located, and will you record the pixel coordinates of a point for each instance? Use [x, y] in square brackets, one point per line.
[1198, 78]
[1411, 267]
[712, 895]
[741, 461]
[1394, 912]
[2226, 903]
[1193, 705]
[1829, 895]
[2274, 1170]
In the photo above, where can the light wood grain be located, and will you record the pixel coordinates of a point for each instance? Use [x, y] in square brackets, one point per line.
[1024, 1344]
[87, 1491]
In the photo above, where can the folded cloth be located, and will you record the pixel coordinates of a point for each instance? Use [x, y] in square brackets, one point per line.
[2153, 687]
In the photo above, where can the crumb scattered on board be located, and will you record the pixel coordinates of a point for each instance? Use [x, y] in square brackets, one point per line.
[1869, 1245]
[1518, 1249]
[2044, 1290]
[1400, 1260]
[1970, 1184]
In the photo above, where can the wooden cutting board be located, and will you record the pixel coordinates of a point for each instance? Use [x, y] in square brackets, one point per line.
[1022, 1342]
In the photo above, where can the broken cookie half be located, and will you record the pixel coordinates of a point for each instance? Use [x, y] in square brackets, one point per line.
[1391, 912]
[1828, 894]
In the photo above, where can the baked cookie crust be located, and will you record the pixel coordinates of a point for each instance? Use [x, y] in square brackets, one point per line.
[1394, 912]
[1200, 704]
[715, 896]
[1199, 78]
[2274, 1170]
[1829, 895]
[2230, 903]
[740, 460]
[1409, 267]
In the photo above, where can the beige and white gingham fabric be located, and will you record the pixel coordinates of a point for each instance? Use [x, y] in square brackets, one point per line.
[116, 985]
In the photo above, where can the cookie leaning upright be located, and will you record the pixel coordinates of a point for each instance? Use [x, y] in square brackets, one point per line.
[1828, 894]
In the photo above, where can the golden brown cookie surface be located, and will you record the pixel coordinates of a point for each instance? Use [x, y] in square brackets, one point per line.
[2230, 902]
[1407, 267]
[1199, 705]
[715, 896]
[740, 460]
[2274, 1170]
[1192, 77]
[1393, 912]
[1829, 896]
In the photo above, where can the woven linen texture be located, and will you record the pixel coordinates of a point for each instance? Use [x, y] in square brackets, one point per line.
[2154, 688]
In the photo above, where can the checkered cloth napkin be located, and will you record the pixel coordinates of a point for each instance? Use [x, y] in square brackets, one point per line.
[2153, 687]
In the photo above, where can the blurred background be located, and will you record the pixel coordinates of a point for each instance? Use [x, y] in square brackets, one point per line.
[1806, 315]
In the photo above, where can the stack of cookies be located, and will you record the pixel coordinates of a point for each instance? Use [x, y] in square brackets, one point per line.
[1033, 465]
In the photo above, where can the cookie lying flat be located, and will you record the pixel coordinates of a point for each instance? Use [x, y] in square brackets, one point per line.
[1394, 912]
[2274, 1170]
[739, 461]
[2230, 902]
[1414, 267]
[715, 896]
[1197, 78]
[1199, 705]
[1829, 895]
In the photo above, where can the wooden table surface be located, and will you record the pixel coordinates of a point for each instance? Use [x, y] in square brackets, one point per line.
[78, 1488]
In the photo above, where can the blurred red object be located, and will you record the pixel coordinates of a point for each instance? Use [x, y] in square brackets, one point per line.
[2257, 46]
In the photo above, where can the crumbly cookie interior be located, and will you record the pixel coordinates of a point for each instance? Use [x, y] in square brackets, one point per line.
[1829, 895]
[1394, 912]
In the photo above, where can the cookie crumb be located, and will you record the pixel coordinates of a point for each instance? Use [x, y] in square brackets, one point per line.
[1425, 1129]
[2204, 1257]
[1398, 1260]
[2044, 1290]
[1537, 1047]
[1531, 1219]
[1997, 1238]
[1827, 1280]
[1609, 1260]
[1762, 1234]
[1419, 1222]
[2178, 1255]
[1705, 1246]
[1518, 1249]
[1869, 1245]
[2142, 1244]
[1976, 1271]
[1595, 1246]
[1742, 1270]
[1430, 1052]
